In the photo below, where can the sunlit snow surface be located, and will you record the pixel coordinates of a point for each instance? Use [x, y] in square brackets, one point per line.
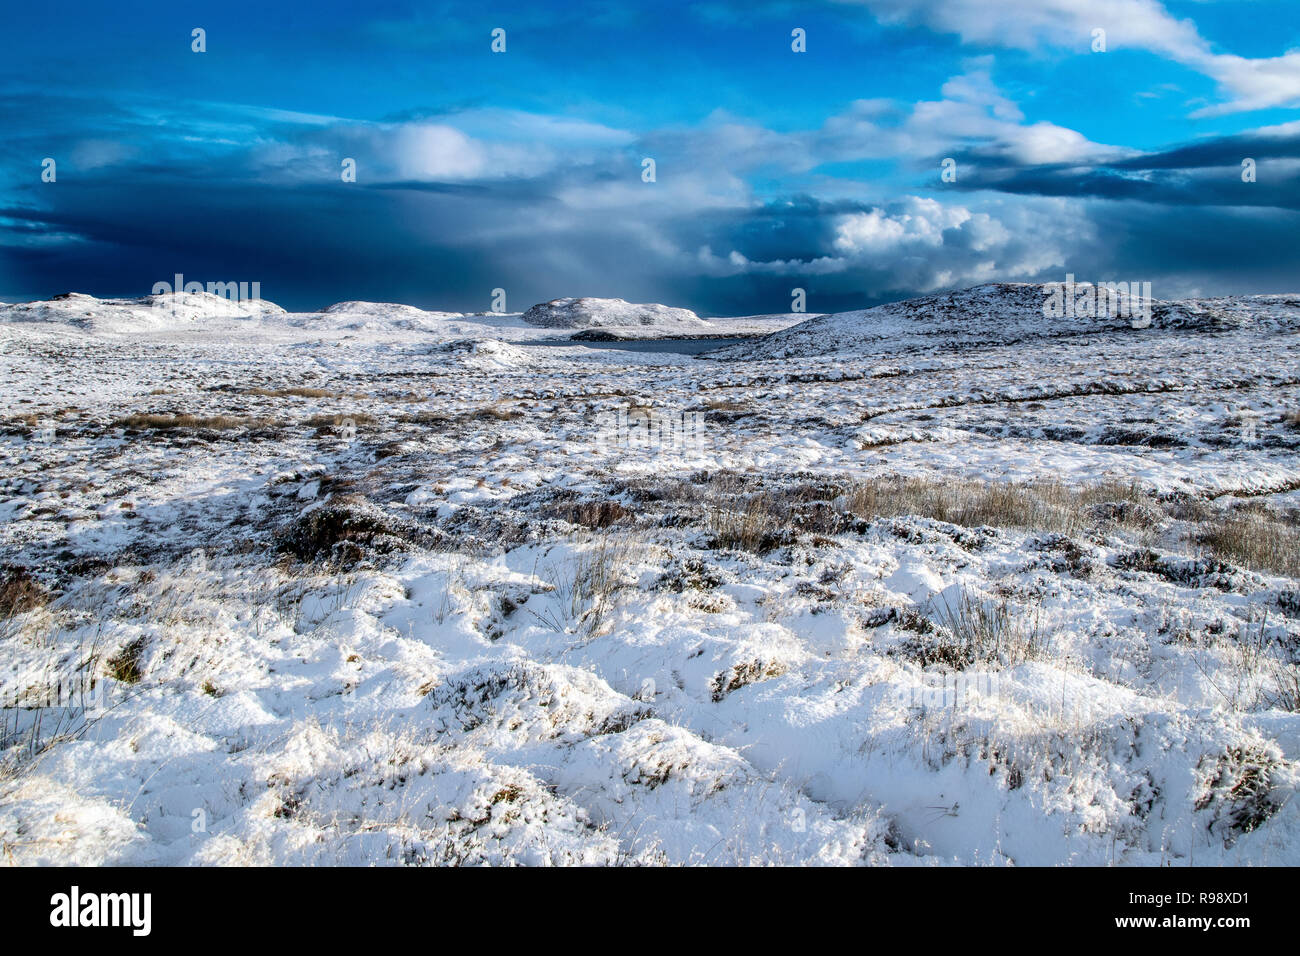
[440, 691]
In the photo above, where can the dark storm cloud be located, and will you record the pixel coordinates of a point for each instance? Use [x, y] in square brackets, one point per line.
[799, 227]
[1198, 174]
[440, 217]
[308, 246]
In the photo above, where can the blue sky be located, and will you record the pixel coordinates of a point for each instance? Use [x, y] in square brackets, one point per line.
[522, 170]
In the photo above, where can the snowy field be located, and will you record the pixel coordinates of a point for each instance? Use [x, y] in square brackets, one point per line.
[938, 583]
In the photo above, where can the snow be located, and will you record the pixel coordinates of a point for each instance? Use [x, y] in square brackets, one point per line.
[591, 313]
[480, 628]
[180, 315]
[155, 313]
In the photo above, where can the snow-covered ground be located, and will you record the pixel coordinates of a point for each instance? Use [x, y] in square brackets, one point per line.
[940, 582]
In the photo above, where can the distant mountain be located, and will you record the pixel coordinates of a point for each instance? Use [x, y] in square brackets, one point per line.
[589, 313]
[992, 314]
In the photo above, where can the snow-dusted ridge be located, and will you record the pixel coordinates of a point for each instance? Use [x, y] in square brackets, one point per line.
[591, 313]
[198, 314]
[999, 313]
[153, 313]
[985, 315]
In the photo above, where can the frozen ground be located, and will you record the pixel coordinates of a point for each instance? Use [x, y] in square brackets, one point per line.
[931, 584]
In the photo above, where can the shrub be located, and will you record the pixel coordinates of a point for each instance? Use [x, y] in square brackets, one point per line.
[1239, 792]
[342, 529]
[125, 665]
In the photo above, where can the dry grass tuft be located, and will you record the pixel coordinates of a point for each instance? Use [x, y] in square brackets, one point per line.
[297, 392]
[20, 592]
[143, 421]
[1254, 538]
[760, 525]
[774, 517]
[495, 413]
[1039, 506]
[595, 515]
[977, 632]
[424, 417]
[587, 585]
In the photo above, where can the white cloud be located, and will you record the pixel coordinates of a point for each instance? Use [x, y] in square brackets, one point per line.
[973, 114]
[921, 244]
[90, 154]
[597, 167]
[1258, 84]
[435, 152]
[1134, 24]
[918, 222]
[470, 146]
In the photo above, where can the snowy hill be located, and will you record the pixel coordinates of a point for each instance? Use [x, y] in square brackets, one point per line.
[194, 315]
[375, 317]
[588, 313]
[147, 314]
[383, 309]
[994, 314]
